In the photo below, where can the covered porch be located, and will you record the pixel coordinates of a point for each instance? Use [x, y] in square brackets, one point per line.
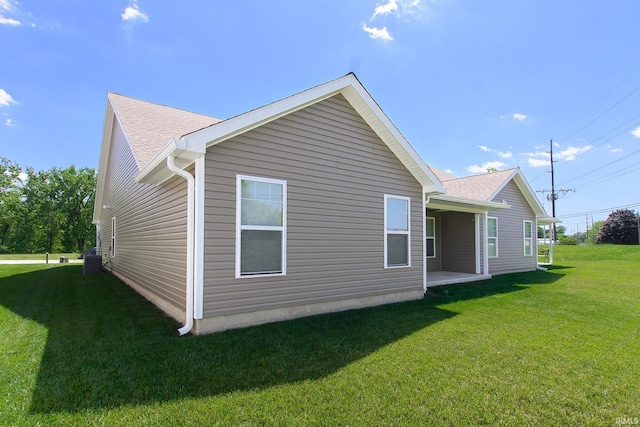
[439, 278]
[456, 247]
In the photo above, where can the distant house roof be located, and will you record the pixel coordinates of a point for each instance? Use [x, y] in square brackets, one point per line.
[150, 127]
[484, 189]
[477, 187]
[442, 175]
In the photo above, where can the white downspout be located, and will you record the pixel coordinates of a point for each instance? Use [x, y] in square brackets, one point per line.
[198, 251]
[188, 324]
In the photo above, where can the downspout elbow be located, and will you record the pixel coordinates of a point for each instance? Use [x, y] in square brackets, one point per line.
[189, 314]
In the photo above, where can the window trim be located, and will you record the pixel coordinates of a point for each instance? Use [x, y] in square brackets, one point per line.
[240, 227]
[525, 238]
[427, 237]
[489, 238]
[387, 232]
[113, 237]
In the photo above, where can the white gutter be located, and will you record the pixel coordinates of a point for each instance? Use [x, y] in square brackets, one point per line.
[190, 243]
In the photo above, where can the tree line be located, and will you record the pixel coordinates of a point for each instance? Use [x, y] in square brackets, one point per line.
[46, 211]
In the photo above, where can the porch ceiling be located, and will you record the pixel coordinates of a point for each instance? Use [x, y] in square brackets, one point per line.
[446, 203]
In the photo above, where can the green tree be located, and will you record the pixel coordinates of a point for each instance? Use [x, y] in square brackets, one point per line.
[75, 201]
[41, 194]
[621, 227]
[10, 204]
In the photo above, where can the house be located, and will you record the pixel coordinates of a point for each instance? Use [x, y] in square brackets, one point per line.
[311, 204]
[484, 224]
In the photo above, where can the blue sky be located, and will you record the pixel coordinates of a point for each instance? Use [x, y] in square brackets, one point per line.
[470, 84]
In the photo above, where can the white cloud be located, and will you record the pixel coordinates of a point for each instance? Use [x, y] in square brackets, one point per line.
[515, 116]
[133, 12]
[537, 159]
[536, 163]
[504, 154]
[399, 9]
[9, 123]
[378, 33]
[9, 7]
[385, 9]
[484, 148]
[8, 21]
[5, 98]
[613, 150]
[570, 153]
[541, 158]
[485, 167]
[636, 132]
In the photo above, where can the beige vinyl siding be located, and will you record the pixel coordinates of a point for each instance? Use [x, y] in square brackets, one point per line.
[511, 233]
[458, 242]
[150, 229]
[435, 264]
[337, 172]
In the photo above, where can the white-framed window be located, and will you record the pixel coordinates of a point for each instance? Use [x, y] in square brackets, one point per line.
[528, 239]
[397, 231]
[261, 226]
[430, 232]
[113, 236]
[492, 237]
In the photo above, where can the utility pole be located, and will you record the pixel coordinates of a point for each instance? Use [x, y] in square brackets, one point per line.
[587, 239]
[554, 194]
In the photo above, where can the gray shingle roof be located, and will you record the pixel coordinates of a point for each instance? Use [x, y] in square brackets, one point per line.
[150, 127]
[477, 187]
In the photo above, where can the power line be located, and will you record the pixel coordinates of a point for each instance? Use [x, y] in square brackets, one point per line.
[605, 210]
[616, 174]
[602, 167]
[599, 101]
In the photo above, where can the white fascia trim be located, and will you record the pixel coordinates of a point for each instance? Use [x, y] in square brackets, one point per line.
[236, 125]
[525, 189]
[354, 92]
[547, 220]
[367, 107]
[442, 201]
[198, 273]
[105, 148]
[176, 148]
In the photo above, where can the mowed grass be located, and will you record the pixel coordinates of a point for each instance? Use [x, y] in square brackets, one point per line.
[542, 348]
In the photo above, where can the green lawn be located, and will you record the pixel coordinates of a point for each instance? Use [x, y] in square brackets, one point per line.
[543, 348]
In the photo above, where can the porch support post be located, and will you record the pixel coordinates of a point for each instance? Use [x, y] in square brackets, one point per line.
[552, 241]
[485, 244]
[476, 221]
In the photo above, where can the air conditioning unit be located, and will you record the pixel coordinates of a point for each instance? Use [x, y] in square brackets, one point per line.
[92, 264]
